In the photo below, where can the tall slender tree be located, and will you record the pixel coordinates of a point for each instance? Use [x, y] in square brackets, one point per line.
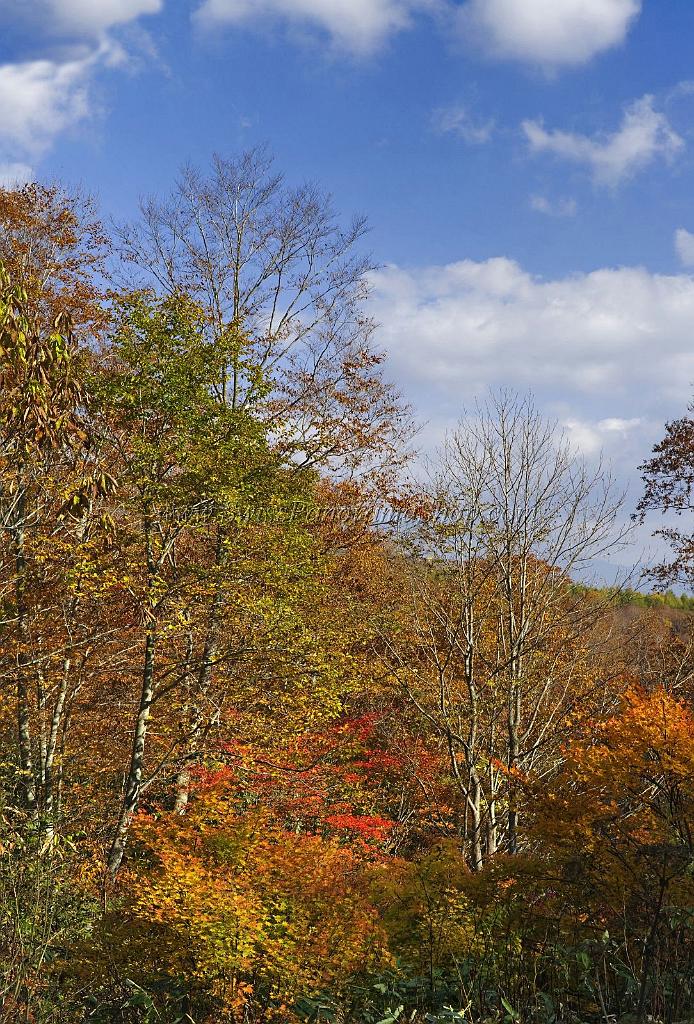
[499, 654]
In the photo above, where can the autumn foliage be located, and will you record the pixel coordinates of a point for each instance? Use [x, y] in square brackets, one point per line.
[285, 736]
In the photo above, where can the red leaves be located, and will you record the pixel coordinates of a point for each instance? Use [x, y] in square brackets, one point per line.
[366, 827]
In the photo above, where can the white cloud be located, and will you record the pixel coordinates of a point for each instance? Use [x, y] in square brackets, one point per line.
[459, 121]
[614, 424]
[613, 335]
[15, 174]
[549, 34]
[684, 244]
[553, 207]
[608, 354]
[591, 438]
[83, 17]
[359, 25]
[40, 99]
[72, 20]
[643, 136]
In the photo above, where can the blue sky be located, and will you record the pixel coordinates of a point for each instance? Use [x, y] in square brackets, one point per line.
[526, 166]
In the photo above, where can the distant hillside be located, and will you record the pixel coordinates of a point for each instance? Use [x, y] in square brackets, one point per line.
[622, 597]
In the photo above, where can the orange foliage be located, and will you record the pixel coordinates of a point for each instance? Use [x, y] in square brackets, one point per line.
[247, 909]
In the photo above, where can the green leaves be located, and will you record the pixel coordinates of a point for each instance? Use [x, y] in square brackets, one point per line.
[392, 1017]
[40, 393]
[512, 1014]
[163, 402]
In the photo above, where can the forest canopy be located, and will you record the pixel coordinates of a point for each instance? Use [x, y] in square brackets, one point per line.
[272, 754]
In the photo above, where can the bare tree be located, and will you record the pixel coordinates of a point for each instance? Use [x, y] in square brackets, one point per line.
[500, 630]
[274, 263]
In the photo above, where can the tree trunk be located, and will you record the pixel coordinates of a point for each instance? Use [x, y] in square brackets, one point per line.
[512, 808]
[475, 807]
[49, 789]
[133, 782]
[27, 784]
[204, 677]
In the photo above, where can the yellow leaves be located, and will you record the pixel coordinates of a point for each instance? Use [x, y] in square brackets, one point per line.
[615, 821]
[652, 729]
[248, 900]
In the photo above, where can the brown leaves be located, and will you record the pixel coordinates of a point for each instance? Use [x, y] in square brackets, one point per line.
[51, 241]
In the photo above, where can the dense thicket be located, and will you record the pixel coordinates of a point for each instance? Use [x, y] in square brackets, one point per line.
[261, 759]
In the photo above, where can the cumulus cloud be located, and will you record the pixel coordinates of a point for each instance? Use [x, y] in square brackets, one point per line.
[40, 99]
[610, 335]
[563, 32]
[457, 120]
[684, 245]
[644, 135]
[608, 354]
[553, 207]
[358, 25]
